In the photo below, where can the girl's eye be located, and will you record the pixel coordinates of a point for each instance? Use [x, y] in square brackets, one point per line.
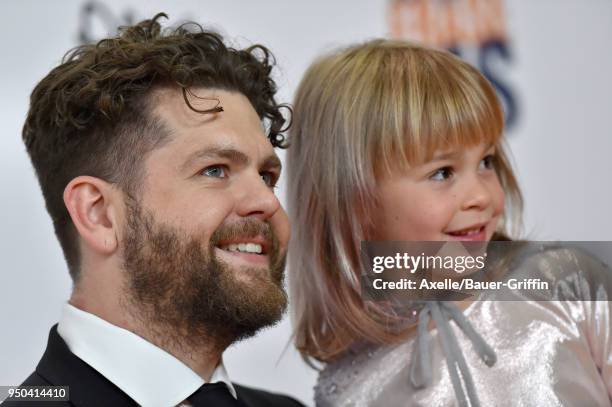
[442, 174]
[488, 163]
[215, 171]
[269, 178]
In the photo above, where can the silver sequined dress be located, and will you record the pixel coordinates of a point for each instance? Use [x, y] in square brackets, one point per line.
[549, 353]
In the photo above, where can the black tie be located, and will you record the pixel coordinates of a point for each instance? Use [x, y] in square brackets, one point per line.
[214, 395]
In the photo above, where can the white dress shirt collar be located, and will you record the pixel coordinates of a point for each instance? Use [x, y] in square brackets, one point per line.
[146, 373]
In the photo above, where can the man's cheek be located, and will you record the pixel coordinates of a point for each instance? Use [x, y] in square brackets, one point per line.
[203, 220]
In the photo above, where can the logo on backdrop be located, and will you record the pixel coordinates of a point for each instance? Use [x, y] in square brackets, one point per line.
[97, 20]
[475, 30]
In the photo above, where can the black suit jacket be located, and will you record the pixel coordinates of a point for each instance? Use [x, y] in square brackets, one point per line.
[60, 367]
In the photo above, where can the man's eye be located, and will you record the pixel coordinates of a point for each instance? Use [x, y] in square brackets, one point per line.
[269, 179]
[442, 174]
[488, 163]
[215, 171]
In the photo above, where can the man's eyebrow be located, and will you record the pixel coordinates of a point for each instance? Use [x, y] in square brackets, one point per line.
[232, 154]
[216, 152]
[272, 161]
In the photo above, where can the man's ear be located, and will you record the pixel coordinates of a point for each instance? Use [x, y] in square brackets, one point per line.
[92, 205]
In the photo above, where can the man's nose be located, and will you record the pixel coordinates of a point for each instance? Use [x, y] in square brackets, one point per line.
[477, 194]
[256, 198]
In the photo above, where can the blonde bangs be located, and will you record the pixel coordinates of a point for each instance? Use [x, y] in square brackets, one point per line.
[437, 102]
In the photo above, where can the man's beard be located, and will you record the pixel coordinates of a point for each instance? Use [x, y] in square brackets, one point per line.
[185, 296]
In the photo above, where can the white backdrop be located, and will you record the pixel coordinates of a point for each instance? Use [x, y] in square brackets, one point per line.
[559, 74]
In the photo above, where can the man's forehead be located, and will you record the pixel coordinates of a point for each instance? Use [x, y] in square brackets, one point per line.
[168, 104]
[238, 126]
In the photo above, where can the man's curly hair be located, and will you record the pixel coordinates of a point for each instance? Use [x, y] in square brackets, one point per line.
[91, 115]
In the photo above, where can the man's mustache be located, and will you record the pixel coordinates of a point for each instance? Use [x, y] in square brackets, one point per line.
[247, 228]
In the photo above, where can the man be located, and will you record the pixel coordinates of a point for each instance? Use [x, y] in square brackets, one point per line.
[153, 162]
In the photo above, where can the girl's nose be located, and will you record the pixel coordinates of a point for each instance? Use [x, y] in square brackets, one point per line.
[477, 194]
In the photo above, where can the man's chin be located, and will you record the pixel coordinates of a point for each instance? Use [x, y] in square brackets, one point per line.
[263, 305]
[255, 294]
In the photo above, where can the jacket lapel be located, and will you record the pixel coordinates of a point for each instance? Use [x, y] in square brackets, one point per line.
[87, 387]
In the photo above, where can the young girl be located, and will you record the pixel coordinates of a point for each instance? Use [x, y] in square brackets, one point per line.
[394, 141]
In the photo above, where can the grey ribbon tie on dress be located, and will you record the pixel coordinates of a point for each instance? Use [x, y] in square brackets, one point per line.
[420, 369]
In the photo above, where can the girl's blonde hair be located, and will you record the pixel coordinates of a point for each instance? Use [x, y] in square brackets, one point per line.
[359, 114]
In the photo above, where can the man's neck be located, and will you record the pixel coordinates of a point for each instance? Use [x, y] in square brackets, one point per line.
[202, 355]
